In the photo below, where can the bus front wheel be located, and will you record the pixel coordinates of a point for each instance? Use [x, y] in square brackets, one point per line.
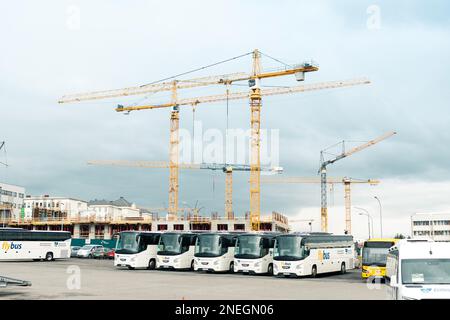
[48, 256]
[151, 264]
[232, 267]
[343, 269]
[270, 269]
[314, 272]
[192, 265]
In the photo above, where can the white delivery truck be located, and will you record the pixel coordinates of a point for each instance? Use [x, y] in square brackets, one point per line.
[418, 269]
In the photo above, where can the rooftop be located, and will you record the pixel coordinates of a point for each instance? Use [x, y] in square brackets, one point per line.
[121, 202]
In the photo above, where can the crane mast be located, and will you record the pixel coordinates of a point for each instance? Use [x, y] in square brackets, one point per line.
[255, 174]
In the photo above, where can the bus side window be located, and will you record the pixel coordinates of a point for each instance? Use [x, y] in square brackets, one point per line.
[185, 243]
[306, 252]
[264, 244]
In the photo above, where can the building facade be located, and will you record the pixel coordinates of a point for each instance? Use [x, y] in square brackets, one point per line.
[100, 220]
[433, 225]
[11, 200]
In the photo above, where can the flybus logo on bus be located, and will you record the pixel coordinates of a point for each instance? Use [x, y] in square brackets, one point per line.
[13, 246]
[323, 255]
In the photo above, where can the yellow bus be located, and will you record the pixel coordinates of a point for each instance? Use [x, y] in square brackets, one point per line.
[374, 255]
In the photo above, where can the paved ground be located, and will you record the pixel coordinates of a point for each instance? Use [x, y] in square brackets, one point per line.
[100, 280]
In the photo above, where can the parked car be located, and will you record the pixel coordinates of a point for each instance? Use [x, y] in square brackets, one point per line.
[87, 250]
[100, 253]
[111, 253]
[74, 251]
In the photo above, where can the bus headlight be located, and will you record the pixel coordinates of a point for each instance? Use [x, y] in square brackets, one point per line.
[176, 260]
[275, 267]
[257, 264]
[133, 259]
[216, 262]
[299, 266]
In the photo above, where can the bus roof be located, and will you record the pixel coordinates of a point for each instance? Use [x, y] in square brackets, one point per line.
[421, 249]
[261, 234]
[383, 240]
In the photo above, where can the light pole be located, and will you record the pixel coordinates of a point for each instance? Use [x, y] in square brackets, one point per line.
[368, 220]
[381, 217]
[369, 217]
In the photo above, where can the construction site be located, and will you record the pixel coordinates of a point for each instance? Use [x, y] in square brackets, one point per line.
[235, 140]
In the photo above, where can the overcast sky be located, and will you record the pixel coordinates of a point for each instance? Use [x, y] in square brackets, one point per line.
[401, 46]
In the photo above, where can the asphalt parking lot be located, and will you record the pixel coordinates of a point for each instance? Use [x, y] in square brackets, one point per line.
[99, 279]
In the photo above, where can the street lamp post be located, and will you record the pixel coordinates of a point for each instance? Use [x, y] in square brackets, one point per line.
[369, 219]
[381, 217]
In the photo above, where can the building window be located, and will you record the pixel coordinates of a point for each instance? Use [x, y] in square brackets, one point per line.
[162, 227]
[239, 227]
[178, 227]
[222, 227]
[84, 231]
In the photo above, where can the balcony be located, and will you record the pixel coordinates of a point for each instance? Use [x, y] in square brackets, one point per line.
[14, 221]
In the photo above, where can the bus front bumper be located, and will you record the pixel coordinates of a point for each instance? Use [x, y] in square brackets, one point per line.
[288, 269]
[214, 265]
[121, 261]
[373, 272]
[248, 266]
[170, 262]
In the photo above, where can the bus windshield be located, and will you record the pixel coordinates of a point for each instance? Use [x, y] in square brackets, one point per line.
[248, 247]
[426, 271]
[375, 253]
[128, 243]
[288, 248]
[170, 244]
[208, 245]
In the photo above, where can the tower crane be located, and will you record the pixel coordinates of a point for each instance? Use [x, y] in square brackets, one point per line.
[345, 181]
[226, 168]
[323, 179]
[2, 145]
[254, 95]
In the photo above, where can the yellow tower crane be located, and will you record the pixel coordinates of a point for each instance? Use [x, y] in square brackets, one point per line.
[347, 190]
[226, 168]
[254, 95]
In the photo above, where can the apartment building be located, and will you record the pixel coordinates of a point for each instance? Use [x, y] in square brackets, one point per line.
[433, 225]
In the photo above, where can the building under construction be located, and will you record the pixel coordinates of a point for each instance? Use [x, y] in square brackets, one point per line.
[101, 219]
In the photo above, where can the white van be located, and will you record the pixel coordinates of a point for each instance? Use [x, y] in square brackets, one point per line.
[418, 269]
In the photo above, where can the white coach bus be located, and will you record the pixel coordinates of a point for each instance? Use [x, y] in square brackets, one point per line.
[254, 253]
[22, 244]
[136, 249]
[309, 254]
[176, 250]
[214, 252]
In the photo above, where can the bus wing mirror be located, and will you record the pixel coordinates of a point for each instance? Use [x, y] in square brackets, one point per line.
[393, 281]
